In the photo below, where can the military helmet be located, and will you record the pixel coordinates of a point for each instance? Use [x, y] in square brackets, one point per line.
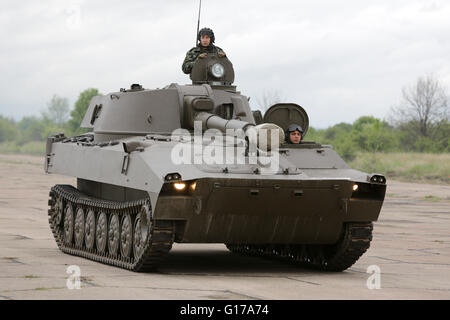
[208, 32]
[292, 128]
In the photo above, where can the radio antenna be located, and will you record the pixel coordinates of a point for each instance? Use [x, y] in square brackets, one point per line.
[198, 22]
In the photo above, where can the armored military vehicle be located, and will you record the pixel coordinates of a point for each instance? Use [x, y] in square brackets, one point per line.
[144, 182]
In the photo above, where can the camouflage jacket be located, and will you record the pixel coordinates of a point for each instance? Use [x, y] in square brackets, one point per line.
[192, 55]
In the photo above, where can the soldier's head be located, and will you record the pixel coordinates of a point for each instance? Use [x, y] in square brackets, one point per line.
[294, 134]
[206, 37]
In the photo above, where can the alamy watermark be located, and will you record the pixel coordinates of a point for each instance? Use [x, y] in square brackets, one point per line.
[374, 281]
[74, 279]
[74, 17]
[255, 146]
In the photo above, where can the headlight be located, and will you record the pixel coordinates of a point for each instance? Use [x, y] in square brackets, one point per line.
[217, 70]
[377, 178]
[173, 176]
[179, 186]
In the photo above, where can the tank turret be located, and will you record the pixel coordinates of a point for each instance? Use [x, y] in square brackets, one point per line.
[211, 100]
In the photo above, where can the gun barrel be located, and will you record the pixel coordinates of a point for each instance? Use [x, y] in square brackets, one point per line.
[211, 121]
[266, 135]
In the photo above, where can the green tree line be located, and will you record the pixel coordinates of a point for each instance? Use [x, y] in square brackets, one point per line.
[29, 134]
[370, 134]
[420, 123]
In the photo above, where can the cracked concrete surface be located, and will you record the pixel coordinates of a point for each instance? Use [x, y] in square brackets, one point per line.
[411, 247]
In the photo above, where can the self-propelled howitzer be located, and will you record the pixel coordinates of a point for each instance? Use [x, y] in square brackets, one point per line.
[146, 179]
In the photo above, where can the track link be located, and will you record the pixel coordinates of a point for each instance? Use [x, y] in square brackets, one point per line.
[156, 237]
[354, 242]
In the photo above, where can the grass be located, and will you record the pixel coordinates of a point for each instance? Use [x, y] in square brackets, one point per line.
[421, 167]
[35, 148]
[21, 161]
[432, 198]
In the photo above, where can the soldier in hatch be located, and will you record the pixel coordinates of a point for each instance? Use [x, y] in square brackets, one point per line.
[204, 47]
[294, 134]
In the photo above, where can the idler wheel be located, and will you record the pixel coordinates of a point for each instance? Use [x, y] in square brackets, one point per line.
[58, 211]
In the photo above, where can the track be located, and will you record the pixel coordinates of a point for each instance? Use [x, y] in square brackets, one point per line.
[355, 240]
[121, 234]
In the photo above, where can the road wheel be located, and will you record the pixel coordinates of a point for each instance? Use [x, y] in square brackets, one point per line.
[114, 235]
[126, 237]
[68, 225]
[79, 228]
[101, 232]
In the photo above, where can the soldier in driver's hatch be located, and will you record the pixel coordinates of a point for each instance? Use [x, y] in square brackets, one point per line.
[204, 47]
[294, 134]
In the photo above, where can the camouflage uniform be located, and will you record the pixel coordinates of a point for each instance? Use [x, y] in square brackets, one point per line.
[192, 56]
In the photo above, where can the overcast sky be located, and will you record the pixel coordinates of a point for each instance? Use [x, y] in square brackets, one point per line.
[338, 59]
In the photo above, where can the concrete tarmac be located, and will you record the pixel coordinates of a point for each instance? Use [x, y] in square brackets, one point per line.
[410, 249]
